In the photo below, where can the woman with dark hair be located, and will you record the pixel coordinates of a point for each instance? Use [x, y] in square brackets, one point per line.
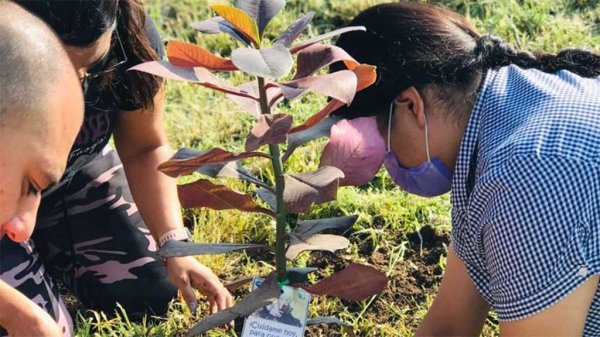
[516, 137]
[98, 228]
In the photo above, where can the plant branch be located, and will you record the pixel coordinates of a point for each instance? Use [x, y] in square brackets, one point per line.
[281, 229]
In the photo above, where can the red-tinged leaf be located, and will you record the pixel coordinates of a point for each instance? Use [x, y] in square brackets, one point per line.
[357, 148]
[340, 85]
[272, 63]
[218, 25]
[304, 189]
[319, 56]
[355, 283]
[287, 38]
[366, 74]
[240, 20]
[328, 242]
[320, 38]
[262, 11]
[180, 167]
[203, 193]
[251, 105]
[319, 116]
[270, 129]
[239, 283]
[322, 129]
[267, 293]
[198, 75]
[183, 54]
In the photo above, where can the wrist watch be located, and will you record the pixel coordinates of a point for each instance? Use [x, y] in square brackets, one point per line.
[179, 234]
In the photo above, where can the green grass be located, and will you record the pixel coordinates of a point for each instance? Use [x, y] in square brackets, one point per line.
[200, 118]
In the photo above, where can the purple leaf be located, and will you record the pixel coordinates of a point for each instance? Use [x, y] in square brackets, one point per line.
[239, 283]
[355, 283]
[220, 170]
[304, 189]
[311, 227]
[357, 148]
[203, 193]
[340, 85]
[300, 138]
[195, 75]
[287, 38]
[318, 56]
[218, 25]
[267, 293]
[270, 129]
[320, 38]
[274, 62]
[175, 248]
[178, 167]
[319, 116]
[300, 243]
[262, 11]
[253, 105]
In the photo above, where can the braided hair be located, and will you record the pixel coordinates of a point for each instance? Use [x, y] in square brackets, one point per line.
[426, 46]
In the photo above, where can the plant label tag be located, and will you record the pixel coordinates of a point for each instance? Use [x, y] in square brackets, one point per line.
[284, 318]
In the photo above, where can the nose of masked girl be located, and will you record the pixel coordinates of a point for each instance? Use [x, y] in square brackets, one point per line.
[20, 226]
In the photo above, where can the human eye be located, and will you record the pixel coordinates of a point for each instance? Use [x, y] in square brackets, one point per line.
[32, 189]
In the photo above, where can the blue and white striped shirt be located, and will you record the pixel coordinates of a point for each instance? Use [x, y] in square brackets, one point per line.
[528, 229]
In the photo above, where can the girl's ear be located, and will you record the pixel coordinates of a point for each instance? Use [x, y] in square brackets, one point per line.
[410, 100]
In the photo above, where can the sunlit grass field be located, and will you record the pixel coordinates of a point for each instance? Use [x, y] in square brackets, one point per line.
[387, 232]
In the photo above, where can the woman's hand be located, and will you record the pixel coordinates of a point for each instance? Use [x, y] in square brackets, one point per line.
[188, 274]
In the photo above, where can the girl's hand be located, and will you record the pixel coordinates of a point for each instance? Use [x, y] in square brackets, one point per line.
[188, 274]
[35, 322]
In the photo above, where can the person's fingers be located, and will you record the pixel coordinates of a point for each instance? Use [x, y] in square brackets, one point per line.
[222, 299]
[187, 291]
[214, 305]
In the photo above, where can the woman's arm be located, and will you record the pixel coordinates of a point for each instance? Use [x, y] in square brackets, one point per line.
[21, 317]
[565, 318]
[142, 145]
[458, 308]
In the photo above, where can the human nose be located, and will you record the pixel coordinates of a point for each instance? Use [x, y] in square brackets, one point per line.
[20, 226]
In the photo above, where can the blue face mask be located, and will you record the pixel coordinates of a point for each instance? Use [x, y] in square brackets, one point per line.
[429, 179]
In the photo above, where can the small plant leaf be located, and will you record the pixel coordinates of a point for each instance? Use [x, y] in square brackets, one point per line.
[262, 11]
[328, 242]
[318, 56]
[239, 283]
[319, 116]
[297, 139]
[299, 275]
[203, 193]
[253, 105]
[289, 36]
[366, 75]
[311, 227]
[220, 170]
[272, 63]
[197, 75]
[320, 38]
[240, 20]
[175, 248]
[218, 25]
[340, 85]
[357, 148]
[267, 195]
[355, 283]
[267, 293]
[332, 320]
[179, 167]
[304, 189]
[183, 54]
[270, 129]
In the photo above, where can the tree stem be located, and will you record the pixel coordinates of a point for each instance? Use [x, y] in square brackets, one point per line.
[281, 229]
